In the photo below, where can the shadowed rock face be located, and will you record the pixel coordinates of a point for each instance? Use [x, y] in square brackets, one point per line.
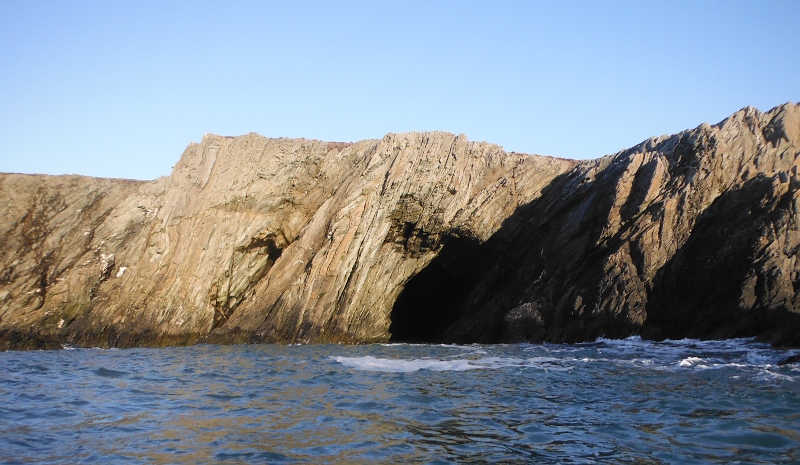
[417, 237]
[691, 235]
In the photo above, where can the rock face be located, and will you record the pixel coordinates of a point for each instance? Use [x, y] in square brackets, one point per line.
[692, 235]
[415, 237]
[249, 239]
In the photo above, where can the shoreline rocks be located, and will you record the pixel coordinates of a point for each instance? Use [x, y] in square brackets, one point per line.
[417, 237]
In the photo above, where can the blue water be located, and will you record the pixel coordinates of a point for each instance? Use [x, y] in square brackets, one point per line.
[627, 401]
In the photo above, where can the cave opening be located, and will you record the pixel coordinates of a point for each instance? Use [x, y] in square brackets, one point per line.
[434, 299]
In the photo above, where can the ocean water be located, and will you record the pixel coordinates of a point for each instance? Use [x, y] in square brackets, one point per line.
[628, 401]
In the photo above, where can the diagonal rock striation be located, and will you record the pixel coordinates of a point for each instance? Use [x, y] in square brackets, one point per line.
[414, 237]
[249, 239]
[691, 235]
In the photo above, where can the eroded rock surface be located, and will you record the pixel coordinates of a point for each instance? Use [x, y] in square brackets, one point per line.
[692, 235]
[249, 239]
[418, 237]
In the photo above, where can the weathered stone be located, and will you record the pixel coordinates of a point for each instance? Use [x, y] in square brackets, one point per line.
[417, 237]
[691, 235]
[523, 323]
[250, 239]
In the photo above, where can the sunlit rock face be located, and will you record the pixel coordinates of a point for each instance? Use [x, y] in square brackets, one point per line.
[249, 239]
[414, 237]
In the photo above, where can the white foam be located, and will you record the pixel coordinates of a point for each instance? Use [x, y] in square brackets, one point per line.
[723, 344]
[629, 342]
[754, 358]
[642, 362]
[745, 356]
[702, 364]
[390, 365]
[766, 375]
[691, 361]
[370, 363]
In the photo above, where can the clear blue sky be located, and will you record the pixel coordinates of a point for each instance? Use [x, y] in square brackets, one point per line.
[118, 88]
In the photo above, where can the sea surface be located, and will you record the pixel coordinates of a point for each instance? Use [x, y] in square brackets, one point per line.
[628, 401]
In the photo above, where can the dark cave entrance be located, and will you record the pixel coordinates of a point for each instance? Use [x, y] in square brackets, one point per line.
[433, 299]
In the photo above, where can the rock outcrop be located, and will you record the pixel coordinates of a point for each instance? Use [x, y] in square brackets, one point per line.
[692, 235]
[416, 237]
[249, 239]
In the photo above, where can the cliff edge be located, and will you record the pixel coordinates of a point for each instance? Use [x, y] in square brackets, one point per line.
[414, 237]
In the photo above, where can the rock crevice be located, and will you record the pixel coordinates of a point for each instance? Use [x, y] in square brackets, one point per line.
[414, 237]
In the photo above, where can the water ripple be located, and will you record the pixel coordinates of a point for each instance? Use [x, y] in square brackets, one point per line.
[628, 401]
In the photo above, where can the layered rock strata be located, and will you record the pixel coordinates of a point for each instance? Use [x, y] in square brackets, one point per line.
[249, 239]
[691, 235]
[416, 237]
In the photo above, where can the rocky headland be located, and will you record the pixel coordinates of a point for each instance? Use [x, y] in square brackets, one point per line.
[414, 237]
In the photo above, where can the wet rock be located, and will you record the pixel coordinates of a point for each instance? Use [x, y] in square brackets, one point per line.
[523, 323]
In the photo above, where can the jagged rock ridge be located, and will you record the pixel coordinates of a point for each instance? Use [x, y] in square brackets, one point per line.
[415, 236]
[691, 235]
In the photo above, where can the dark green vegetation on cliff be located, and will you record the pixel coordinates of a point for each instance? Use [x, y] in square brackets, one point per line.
[416, 237]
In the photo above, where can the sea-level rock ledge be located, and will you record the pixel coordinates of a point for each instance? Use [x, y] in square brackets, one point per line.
[417, 237]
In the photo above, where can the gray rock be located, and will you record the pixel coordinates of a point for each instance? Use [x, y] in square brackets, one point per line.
[523, 323]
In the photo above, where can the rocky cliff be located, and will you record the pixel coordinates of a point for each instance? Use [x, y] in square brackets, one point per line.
[691, 235]
[416, 237]
[249, 239]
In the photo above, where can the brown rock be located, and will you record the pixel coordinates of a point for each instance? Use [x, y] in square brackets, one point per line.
[249, 239]
[417, 237]
[691, 235]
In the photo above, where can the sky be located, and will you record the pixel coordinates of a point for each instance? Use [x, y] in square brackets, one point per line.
[119, 89]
